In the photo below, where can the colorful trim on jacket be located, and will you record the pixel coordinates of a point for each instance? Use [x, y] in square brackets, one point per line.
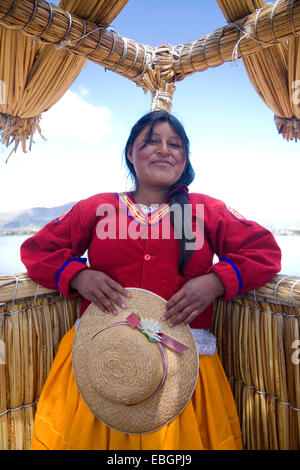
[237, 271]
[63, 216]
[138, 216]
[80, 260]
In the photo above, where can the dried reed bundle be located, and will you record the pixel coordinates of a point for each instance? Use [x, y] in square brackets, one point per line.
[37, 75]
[30, 331]
[20, 286]
[56, 26]
[131, 59]
[243, 38]
[162, 92]
[257, 337]
[18, 130]
[269, 68]
[284, 290]
[239, 9]
[294, 75]
[268, 26]
[288, 127]
[100, 11]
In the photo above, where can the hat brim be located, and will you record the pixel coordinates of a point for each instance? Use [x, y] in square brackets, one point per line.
[160, 408]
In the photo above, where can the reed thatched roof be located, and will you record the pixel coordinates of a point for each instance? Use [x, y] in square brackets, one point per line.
[56, 42]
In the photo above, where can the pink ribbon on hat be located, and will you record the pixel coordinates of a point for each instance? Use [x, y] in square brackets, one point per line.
[134, 322]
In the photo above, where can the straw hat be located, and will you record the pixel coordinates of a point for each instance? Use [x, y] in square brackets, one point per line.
[129, 381]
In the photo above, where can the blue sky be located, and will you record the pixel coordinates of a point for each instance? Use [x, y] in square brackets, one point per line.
[235, 149]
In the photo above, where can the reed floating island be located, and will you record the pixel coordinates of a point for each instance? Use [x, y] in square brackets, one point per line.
[258, 334]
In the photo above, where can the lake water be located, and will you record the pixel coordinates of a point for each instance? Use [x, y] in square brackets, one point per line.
[10, 262]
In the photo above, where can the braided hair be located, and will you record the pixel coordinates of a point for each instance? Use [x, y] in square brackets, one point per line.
[178, 192]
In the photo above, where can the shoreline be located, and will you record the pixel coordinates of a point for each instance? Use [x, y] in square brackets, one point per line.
[4, 233]
[286, 232]
[275, 232]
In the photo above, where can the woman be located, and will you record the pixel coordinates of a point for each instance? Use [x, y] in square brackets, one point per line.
[162, 239]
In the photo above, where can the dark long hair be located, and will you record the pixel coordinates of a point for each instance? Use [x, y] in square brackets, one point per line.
[178, 191]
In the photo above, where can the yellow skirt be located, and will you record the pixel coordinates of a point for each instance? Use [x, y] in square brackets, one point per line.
[63, 421]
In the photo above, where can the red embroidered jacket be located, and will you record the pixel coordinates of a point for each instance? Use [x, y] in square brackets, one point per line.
[142, 251]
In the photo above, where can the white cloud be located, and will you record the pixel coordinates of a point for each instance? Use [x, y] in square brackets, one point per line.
[78, 159]
[54, 175]
[260, 184]
[74, 118]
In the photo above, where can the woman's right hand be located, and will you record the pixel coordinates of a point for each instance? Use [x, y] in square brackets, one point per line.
[100, 289]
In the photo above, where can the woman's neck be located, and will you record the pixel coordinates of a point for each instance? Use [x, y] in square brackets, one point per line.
[149, 196]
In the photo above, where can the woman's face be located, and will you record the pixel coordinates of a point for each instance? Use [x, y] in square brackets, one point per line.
[160, 162]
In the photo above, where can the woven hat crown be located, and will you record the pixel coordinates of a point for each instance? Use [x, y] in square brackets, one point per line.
[128, 368]
[134, 372]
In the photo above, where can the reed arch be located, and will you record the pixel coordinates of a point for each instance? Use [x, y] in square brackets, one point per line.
[265, 36]
[258, 334]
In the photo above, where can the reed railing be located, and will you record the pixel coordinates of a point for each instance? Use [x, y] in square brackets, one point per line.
[32, 322]
[258, 342]
[259, 346]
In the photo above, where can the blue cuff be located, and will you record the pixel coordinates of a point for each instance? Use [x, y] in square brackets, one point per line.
[80, 260]
[237, 272]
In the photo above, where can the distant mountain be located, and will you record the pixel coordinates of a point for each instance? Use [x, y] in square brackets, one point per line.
[30, 220]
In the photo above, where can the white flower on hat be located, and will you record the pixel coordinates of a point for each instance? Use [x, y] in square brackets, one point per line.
[150, 328]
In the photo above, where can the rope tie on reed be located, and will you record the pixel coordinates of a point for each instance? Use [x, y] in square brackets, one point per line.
[266, 394]
[49, 23]
[291, 292]
[112, 49]
[270, 312]
[32, 17]
[160, 95]
[204, 48]
[82, 37]
[29, 306]
[277, 286]
[36, 292]
[292, 18]
[63, 41]
[191, 56]
[146, 63]
[11, 410]
[135, 59]
[291, 296]
[255, 26]
[16, 290]
[272, 20]
[247, 31]
[10, 11]
[179, 59]
[123, 57]
[245, 35]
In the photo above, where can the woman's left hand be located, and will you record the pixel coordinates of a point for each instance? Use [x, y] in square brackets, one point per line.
[193, 298]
